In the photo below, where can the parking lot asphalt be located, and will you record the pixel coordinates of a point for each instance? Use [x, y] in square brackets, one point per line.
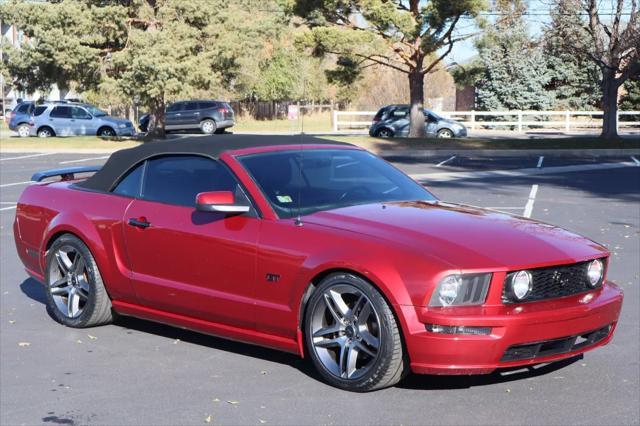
[137, 372]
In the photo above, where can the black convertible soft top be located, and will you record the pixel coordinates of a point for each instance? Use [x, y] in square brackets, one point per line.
[120, 162]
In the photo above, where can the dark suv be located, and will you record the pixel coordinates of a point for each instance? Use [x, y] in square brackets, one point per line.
[393, 121]
[208, 116]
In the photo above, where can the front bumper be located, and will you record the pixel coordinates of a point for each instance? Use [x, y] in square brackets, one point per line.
[125, 131]
[537, 326]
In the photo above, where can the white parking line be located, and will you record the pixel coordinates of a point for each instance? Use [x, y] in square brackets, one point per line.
[16, 183]
[27, 156]
[7, 208]
[635, 160]
[83, 159]
[528, 209]
[503, 208]
[540, 160]
[447, 176]
[445, 161]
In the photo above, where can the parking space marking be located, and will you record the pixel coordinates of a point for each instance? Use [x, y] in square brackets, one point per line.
[5, 185]
[84, 159]
[42, 154]
[447, 176]
[540, 160]
[635, 160]
[528, 209]
[503, 208]
[445, 161]
[7, 208]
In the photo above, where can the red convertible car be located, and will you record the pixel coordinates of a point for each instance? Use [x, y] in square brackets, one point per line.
[319, 249]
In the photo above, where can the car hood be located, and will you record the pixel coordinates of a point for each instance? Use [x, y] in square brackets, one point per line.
[463, 236]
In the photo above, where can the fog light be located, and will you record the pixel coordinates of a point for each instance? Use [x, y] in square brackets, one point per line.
[457, 329]
[594, 272]
[521, 284]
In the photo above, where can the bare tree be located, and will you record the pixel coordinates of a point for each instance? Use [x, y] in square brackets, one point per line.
[615, 48]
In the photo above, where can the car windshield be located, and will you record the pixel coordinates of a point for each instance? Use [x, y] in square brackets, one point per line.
[308, 181]
[433, 114]
[96, 112]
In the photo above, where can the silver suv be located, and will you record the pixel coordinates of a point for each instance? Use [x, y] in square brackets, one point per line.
[77, 119]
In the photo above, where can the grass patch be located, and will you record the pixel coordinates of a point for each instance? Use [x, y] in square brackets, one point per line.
[576, 142]
[319, 122]
[75, 144]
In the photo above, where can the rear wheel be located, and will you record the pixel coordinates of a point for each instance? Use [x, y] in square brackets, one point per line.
[45, 132]
[351, 335]
[208, 126]
[76, 296]
[23, 130]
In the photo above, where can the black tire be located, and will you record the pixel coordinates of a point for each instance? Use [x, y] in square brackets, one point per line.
[45, 132]
[208, 126]
[389, 367]
[106, 132]
[97, 308]
[445, 133]
[384, 133]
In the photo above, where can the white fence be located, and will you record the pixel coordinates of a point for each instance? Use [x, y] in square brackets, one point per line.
[517, 120]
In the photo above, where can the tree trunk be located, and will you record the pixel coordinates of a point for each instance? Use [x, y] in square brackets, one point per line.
[155, 128]
[416, 92]
[609, 104]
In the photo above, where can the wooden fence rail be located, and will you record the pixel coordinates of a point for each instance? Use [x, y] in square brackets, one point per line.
[517, 120]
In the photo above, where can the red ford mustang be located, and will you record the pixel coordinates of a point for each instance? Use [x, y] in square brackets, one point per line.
[323, 250]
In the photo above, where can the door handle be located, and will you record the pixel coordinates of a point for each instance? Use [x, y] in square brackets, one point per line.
[139, 223]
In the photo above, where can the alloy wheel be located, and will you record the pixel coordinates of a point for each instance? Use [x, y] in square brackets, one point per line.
[44, 133]
[69, 281]
[345, 331]
[445, 134]
[23, 131]
[208, 127]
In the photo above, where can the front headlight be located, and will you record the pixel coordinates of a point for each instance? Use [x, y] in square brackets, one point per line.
[458, 290]
[595, 272]
[457, 126]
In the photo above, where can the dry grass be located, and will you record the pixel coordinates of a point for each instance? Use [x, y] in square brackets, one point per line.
[319, 122]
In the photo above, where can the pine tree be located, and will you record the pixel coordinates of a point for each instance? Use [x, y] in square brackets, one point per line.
[513, 68]
[574, 80]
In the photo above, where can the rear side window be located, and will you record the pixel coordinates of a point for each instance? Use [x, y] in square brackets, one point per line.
[23, 108]
[39, 110]
[61, 112]
[400, 112]
[175, 107]
[178, 179]
[207, 104]
[191, 106]
[130, 185]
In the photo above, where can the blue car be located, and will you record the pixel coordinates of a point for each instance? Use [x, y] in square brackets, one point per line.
[393, 121]
[70, 119]
[18, 119]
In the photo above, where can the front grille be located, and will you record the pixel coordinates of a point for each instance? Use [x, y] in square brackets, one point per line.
[556, 346]
[554, 281]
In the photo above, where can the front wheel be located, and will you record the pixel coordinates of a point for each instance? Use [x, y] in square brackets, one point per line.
[384, 133]
[76, 296]
[351, 335]
[445, 133]
[45, 132]
[106, 132]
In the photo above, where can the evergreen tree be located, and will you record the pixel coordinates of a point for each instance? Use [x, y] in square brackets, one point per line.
[631, 99]
[513, 68]
[574, 80]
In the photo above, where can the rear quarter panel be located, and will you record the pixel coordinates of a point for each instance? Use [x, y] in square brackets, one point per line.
[46, 211]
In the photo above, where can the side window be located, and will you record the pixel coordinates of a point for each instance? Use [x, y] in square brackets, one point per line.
[178, 179]
[400, 113]
[39, 110]
[175, 107]
[80, 113]
[130, 184]
[23, 108]
[207, 104]
[191, 106]
[61, 112]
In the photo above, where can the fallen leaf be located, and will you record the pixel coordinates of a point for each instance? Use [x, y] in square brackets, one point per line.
[208, 419]
[175, 342]
[78, 341]
[24, 344]
[508, 391]
[12, 322]
[262, 421]
[263, 372]
[584, 364]
[216, 399]
[233, 402]
[92, 337]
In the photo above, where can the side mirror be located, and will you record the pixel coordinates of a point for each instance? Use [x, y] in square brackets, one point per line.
[219, 201]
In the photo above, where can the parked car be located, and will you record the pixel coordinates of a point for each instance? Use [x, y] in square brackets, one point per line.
[70, 119]
[18, 119]
[393, 121]
[207, 115]
[324, 250]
